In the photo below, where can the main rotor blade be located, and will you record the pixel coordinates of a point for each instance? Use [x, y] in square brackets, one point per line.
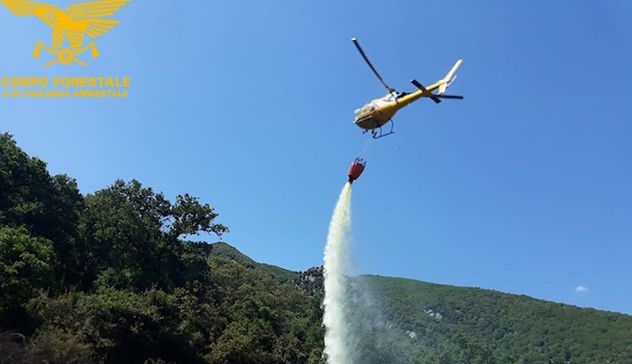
[444, 96]
[425, 91]
[366, 59]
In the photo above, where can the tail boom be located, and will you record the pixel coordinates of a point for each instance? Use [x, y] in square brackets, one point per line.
[449, 77]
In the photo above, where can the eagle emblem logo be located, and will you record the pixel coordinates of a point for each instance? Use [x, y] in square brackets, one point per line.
[71, 24]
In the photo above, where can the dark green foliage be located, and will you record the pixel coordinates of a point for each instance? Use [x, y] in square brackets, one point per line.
[269, 322]
[47, 206]
[122, 225]
[105, 279]
[26, 264]
[132, 233]
[415, 322]
[223, 249]
[191, 217]
[116, 325]
[245, 317]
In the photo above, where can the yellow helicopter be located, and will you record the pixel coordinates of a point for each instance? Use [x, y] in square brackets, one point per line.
[375, 114]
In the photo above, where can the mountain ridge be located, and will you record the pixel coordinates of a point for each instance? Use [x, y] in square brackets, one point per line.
[486, 325]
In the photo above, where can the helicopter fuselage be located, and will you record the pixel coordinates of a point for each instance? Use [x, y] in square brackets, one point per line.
[378, 112]
[372, 116]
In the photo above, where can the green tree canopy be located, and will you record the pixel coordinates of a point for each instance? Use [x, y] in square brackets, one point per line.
[26, 264]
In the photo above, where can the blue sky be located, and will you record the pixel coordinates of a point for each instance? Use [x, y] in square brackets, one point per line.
[524, 187]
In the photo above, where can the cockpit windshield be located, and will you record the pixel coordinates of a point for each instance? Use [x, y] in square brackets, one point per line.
[364, 109]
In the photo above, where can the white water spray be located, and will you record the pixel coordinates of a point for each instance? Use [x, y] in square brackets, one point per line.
[335, 273]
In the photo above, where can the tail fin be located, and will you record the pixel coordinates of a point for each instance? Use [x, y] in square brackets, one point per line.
[451, 76]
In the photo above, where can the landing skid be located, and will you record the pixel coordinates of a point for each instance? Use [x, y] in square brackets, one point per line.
[378, 133]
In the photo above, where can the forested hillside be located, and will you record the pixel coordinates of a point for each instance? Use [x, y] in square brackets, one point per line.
[407, 321]
[108, 278]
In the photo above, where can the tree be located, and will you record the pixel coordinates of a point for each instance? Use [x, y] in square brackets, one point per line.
[133, 234]
[113, 326]
[26, 265]
[191, 217]
[121, 226]
[48, 206]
